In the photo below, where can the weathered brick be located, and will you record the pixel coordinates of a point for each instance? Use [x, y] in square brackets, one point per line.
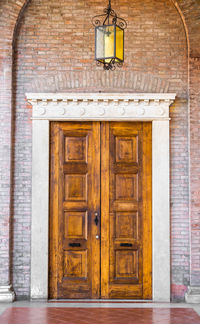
[53, 51]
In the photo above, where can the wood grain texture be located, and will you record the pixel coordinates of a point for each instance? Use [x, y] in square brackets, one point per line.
[53, 220]
[75, 197]
[105, 155]
[106, 163]
[128, 189]
[147, 210]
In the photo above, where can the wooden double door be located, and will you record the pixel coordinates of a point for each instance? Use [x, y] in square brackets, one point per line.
[100, 210]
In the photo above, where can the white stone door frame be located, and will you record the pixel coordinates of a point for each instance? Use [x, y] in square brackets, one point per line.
[49, 107]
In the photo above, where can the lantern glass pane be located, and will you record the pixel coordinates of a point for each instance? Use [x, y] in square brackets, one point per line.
[105, 42]
[119, 43]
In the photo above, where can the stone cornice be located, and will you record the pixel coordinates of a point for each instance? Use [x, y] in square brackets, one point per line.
[100, 106]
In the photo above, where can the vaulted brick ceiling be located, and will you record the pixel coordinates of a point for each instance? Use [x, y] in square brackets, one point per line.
[9, 10]
[191, 13]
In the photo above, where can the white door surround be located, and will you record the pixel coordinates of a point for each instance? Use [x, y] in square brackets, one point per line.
[102, 107]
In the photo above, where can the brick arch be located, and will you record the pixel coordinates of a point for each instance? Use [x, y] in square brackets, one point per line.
[11, 12]
[176, 5]
[189, 10]
[73, 80]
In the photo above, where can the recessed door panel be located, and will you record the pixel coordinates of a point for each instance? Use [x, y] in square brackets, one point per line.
[75, 197]
[100, 210]
[126, 193]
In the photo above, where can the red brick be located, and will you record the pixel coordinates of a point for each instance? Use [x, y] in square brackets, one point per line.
[53, 51]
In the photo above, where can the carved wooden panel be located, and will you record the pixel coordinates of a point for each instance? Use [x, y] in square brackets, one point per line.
[126, 225]
[75, 197]
[126, 194]
[126, 264]
[76, 149]
[126, 186]
[76, 225]
[125, 214]
[126, 149]
[76, 187]
[75, 264]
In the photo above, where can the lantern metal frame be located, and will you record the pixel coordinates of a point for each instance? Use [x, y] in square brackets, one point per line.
[111, 57]
[109, 18]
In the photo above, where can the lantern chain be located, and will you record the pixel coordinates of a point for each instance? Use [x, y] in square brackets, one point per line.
[109, 13]
[109, 17]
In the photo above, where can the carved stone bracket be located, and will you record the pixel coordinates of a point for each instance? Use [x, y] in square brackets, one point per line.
[100, 106]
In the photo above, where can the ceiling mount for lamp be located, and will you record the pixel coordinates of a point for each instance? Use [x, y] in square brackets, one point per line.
[109, 38]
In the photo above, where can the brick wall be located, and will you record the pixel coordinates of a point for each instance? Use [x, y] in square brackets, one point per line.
[180, 258]
[195, 170]
[7, 24]
[54, 49]
[190, 11]
[149, 77]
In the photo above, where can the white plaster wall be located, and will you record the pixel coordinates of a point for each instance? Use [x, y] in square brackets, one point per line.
[40, 209]
[160, 212]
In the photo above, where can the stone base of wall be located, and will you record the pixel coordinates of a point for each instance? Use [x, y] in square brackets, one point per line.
[7, 294]
[193, 295]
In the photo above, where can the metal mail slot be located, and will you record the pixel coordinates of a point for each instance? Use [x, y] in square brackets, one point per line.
[74, 244]
[126, 244]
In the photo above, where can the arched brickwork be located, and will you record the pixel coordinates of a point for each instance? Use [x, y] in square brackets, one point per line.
[11, 12]
[191, 12]
[153, 44]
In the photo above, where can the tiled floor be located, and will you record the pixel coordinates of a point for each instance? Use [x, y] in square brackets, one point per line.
[98, 313]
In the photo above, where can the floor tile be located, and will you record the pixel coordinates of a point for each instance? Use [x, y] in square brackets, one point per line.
[62, 315]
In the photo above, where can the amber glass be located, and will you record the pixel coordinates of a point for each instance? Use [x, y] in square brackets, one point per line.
[109, 43]
[119, 43]
[105, 42]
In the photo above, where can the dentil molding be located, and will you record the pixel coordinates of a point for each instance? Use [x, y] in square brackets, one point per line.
[100, 106]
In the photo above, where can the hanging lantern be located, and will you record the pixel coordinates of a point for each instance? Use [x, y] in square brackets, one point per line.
[109, 39]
